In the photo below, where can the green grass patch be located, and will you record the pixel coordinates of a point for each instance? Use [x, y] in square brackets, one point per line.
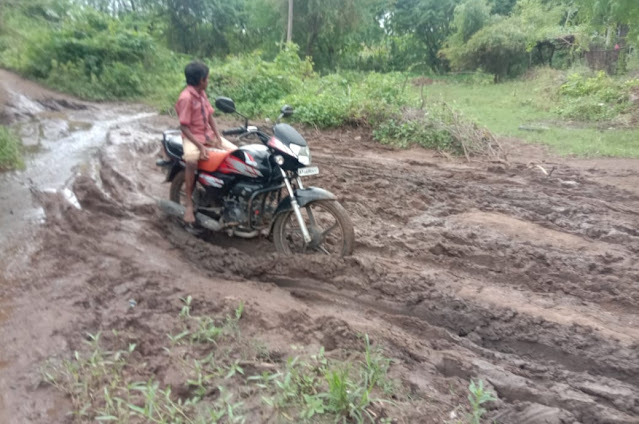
[10, 150]
[220, 375]
[513, 108]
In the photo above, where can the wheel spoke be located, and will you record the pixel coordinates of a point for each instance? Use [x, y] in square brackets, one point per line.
[325, 233]
[321, 220]
[323, 249]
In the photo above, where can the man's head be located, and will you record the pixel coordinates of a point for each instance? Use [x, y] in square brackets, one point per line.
[196, 74]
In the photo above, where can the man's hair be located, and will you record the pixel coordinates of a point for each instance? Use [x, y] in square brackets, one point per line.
[195, 72]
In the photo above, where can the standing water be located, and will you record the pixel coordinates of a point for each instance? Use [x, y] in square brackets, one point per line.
[58, 144]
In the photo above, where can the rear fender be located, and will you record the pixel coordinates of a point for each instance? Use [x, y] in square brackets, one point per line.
[304, 197]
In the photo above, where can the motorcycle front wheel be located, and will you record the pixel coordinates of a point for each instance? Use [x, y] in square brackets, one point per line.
[329, 226]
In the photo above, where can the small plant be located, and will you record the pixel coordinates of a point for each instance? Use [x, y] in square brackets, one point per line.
[477, 397]
[185, 312]
[116, 386]
[319, 386]
[10, 150]
[375, 368]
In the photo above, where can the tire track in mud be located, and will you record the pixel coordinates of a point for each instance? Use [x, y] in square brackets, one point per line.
[424, 232]
[480, 270]
[517, 345]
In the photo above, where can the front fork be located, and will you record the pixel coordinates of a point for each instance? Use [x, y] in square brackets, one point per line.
[296, 206]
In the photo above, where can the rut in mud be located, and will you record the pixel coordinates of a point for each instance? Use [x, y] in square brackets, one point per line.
[486, 270]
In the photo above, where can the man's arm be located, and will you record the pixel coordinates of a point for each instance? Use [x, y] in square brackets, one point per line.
[218, 137]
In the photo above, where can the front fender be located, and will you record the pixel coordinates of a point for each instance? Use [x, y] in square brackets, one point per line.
[304, 197]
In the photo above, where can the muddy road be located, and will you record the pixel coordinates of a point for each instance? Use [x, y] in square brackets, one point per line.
[482, 270]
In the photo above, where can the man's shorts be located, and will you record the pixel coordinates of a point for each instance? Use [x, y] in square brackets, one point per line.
[192, 153]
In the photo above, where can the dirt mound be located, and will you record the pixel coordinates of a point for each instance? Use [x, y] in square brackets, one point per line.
[461, 271]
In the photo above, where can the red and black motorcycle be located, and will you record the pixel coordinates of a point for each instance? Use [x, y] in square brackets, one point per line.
[257, 190]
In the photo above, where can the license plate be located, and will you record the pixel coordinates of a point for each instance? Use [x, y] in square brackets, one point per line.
[305, 172]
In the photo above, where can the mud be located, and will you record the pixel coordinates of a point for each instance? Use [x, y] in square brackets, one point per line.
[461, 270]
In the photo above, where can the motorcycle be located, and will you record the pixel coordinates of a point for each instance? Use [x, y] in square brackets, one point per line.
[257, 190]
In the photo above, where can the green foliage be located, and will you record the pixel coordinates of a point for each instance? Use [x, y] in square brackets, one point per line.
[597, 98]
[203, 27]
[255, 84]
[502, 7]
[429, 22]
[470, 17]
[501, 47]
[10, 150]
[86, 53]
[427, 132]
[534, 101]
[477, 396]
[318, 386]
[605, 16]
[116, 385]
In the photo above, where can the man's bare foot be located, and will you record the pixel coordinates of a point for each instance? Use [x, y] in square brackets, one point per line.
[189, 217]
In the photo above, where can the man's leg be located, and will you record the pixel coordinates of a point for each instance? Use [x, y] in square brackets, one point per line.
[227, 145]
[189, 182]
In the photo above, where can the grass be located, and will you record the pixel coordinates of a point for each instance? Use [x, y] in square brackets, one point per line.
[10, 150]
[504, 108]
[220, 379]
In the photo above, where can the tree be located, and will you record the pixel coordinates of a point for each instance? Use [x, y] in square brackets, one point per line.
[428, 21]
[503, 46]
[203, 27]
[289, 26]
[502, 7]
[470, 17]
[607, 16]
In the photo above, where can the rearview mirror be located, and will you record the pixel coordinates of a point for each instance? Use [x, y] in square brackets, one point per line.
[287, 110]
[225, 104]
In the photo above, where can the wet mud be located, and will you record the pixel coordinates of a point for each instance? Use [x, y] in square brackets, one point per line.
[461, 270]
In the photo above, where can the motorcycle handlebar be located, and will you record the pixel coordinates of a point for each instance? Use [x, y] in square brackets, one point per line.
[234, 131]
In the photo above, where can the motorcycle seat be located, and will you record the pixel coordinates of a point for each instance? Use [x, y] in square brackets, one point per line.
[173, 143]
[216, 157]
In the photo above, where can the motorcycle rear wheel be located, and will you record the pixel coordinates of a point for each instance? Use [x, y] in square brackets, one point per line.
[177, 192]
[328, 223]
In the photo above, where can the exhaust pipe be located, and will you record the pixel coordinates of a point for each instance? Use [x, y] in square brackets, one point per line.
[175, 209]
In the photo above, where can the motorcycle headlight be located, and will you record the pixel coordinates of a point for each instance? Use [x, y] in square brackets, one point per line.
[303, 154]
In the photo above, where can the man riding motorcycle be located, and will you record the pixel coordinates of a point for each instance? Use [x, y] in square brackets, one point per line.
[198, 126]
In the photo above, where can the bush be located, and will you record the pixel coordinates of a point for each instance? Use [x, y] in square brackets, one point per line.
[10, 150]
[597, 98]
[257, 85]
[424, 132]
[441, 128]
[85, 53]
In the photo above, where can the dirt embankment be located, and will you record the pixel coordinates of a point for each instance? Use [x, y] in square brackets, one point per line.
[481, 270]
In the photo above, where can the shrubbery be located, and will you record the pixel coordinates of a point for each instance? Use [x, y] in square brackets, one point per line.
[97, 57]
[596, 98]
[86, 53]
[10, 154]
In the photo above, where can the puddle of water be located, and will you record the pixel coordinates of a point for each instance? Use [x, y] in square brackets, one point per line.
[62, 145]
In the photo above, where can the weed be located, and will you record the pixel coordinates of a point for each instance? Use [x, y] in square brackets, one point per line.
[319, 386]
[115, 386]
[10, 150]
[477, 396]
[185, 312]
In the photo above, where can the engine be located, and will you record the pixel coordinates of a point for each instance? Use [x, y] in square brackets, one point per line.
[237, 202]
